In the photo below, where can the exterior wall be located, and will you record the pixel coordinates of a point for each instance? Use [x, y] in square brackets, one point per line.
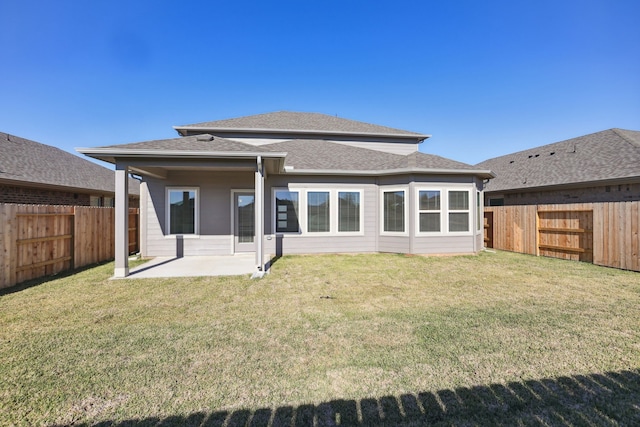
[215, 213]
[215, 237]
[602, 193]
[45, 196]
[304, 243]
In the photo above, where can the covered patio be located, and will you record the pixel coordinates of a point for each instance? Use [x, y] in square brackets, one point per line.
[195, 266]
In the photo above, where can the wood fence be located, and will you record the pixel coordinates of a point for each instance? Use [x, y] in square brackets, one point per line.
[605, 234]
[37, 240]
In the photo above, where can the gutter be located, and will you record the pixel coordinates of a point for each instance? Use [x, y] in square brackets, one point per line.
[214, 130]
[178, 154]
[484, 173]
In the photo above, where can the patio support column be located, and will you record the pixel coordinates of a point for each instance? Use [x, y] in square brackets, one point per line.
[122, 221]
[259, 216]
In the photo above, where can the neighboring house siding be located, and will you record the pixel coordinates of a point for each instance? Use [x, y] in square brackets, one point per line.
[27, 195]
[594, 194]
[42, 196]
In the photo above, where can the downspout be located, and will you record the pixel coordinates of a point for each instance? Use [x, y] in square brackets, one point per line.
[259, 218]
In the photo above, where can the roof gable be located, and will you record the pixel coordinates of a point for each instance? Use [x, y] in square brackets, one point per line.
[290, 122]
[607, 155]
[29, 162]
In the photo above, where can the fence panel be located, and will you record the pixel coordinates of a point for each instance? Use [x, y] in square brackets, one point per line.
[606, 234]
[37, 240]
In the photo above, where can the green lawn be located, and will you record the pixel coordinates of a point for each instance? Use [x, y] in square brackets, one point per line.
[498, 338]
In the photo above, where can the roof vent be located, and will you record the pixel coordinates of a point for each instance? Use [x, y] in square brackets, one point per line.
[512, 161]
[204, 138]
[552, 153]
[537, 155]
[530, 155]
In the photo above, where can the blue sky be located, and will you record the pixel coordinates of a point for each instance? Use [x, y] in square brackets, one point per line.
[485, 78]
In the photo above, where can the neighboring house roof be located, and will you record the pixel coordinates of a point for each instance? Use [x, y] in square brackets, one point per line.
[26, 162]
[288, 122]
[609, 155]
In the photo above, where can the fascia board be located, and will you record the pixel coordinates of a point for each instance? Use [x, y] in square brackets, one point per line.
[177, 153]
[213, 130]
[482, 173]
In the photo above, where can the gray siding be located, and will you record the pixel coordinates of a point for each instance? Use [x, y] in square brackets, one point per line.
[216, 236]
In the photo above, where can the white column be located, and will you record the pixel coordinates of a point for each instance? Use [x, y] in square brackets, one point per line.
[259, 215]
[122, 221]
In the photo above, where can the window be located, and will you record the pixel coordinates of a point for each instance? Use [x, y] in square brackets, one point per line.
[429, 210]
[393, 211]
[287, 211]
[182, 210]
[458, 211]
[318, 212]
[348, 211]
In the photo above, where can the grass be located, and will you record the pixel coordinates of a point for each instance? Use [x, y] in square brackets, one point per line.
[498, 338]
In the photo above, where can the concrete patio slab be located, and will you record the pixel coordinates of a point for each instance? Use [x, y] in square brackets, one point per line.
[192, 266]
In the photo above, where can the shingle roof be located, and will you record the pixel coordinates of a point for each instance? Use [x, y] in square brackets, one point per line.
[26, 161]
[296, 122]
[324, 155]
[608, 155]
[203, 142]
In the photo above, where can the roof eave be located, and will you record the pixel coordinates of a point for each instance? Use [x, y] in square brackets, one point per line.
[180, 129]
[400, 171]
[580, 184]
[112, 154]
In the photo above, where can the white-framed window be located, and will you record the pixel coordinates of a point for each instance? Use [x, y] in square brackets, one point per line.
[315, 210]
[429, 211]
[459, 211]
[318, 211]
[182, 210]
[443, 210]
[287, 208]
[349, 211]
[394, 210]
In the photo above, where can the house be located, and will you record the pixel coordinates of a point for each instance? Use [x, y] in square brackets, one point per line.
[293, 183]
[600, 167]
[34, 173]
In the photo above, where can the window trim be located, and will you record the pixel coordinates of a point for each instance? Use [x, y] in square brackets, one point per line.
[306, 211]
[196, 220]
[444, 210]
[440, 211]
[407, 206]
[303, 226]
[360, 231]
[468, 211]
[301, 214]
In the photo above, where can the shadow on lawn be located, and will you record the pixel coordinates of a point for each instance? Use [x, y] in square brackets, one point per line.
[612, 398]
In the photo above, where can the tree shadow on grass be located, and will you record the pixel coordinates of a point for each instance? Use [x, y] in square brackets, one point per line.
[611, 398]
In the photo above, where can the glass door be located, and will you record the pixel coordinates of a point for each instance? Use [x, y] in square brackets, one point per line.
[244, 222]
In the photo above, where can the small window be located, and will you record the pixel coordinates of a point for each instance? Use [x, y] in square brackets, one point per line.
[318, 212]
[393, 211]
[287, 211]
[182, 210]
[348, 211]
[429, 210]
[109, 202]
[458, 211]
